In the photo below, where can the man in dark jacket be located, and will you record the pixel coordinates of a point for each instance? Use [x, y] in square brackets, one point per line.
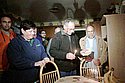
[63, 47]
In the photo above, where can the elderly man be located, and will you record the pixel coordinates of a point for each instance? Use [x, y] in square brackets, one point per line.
[62, 48]
[95, 44]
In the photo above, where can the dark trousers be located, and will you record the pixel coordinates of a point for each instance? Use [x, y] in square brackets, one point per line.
[68, 73]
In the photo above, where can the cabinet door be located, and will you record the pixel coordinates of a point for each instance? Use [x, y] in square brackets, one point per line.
[116, 43]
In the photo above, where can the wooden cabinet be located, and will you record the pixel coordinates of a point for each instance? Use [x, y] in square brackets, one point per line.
[49, 30]
[116, 43]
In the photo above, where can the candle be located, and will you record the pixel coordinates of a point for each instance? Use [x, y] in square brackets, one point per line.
[94, 73]
[75, 51]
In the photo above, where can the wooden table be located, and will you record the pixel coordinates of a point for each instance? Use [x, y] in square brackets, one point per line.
[75, 79]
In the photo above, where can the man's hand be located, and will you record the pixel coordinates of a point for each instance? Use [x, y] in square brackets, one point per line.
[85, 52]
[70, 56]
[96, 62]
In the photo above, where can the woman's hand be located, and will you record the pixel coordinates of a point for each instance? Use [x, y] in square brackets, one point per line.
[46, 60]
[42, 62]
[39, 63]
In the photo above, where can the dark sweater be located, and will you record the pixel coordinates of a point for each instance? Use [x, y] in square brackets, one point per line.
[22, 56]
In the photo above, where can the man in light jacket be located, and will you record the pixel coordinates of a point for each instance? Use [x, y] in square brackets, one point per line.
[96, 44]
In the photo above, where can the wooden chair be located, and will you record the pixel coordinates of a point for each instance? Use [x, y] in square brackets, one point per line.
[90, 72]
[110, 78]
[49, 76]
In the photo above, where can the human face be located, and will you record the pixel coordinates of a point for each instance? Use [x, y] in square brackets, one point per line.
[6, 23]
[69, 28]
[90, 32]
[57, 30]
[43, 34]
[35, 32]
[29, 34]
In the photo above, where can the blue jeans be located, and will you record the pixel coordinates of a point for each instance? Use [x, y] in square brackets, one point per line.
[69, 73]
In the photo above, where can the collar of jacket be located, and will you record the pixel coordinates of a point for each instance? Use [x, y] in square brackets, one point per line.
[63, 33]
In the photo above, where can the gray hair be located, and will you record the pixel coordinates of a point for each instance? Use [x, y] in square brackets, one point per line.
[68, 21]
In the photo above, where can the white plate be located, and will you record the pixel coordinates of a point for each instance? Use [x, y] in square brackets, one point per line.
[88, 52]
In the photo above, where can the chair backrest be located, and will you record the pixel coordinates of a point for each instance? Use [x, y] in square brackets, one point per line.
[89, 72]
[49, 76]
[110, 78]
